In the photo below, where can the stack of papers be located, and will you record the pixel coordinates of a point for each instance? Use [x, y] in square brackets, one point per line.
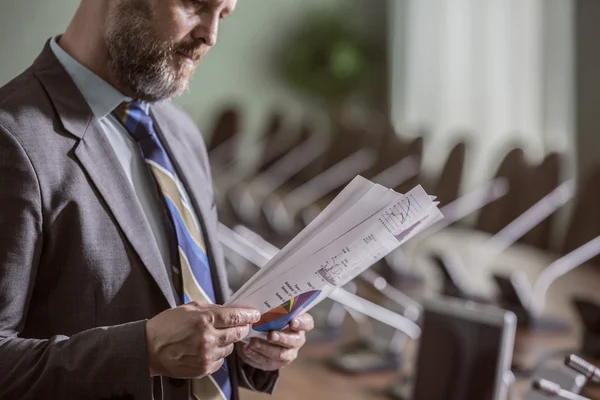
[363, 224]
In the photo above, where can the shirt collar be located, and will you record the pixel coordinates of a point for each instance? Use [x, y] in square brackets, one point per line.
[99, 94]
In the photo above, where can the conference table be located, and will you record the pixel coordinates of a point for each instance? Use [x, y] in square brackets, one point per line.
[310, 378]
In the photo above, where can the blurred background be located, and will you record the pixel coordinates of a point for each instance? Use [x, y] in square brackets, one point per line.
[490, 105]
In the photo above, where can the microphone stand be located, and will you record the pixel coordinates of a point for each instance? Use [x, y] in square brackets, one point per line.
[281, 215]
[559, 268]
[525, 222]
[247, 199]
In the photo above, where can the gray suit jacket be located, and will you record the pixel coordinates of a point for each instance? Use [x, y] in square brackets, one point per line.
[80, 271]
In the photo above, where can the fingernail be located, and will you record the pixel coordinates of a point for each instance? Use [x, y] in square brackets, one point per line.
[275, 337]
[255, 316]
[295, 323]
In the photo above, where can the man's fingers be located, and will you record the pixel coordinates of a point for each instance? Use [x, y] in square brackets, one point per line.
[222, 352]
[201, 306]
[228, 336]
[272, 351]
[289, 339]
[229, 317]
[304, 322]
[216, 366]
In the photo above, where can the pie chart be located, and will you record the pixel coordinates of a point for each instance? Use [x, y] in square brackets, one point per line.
[277, 318]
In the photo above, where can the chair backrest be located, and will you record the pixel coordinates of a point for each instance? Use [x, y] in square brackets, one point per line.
[390, 150]
[226, 127]
[544, 179]
[273, 137]
[584, 224]
[346, 141]
[413, 148]
[447, 188]
[306, 132]
[501, 212]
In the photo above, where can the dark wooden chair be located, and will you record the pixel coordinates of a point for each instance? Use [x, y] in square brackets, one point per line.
[390, 149]
[544, 179]
[273, 137]
[447, 188]
[584, 224]
[501, 212]
[413, 148]
[226, 127]
[345, 140]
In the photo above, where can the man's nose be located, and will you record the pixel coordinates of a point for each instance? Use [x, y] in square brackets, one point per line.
[207, 29]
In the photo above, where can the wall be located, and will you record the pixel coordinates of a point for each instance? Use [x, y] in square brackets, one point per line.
[24, 28]
[238, 69]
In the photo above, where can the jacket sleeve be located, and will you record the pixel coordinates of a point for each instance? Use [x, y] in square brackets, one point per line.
[255, 379]
[98, 363]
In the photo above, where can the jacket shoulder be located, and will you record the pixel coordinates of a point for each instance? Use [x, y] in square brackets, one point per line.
[23, 101]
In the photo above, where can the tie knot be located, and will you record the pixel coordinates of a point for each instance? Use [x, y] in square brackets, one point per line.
[135, 117]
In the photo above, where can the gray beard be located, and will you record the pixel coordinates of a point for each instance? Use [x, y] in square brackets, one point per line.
[138, 60]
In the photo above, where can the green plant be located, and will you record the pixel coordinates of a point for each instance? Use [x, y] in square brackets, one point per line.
[329, 58]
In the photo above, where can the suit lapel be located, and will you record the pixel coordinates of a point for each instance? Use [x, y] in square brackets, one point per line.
[202, 203]
[100, 163]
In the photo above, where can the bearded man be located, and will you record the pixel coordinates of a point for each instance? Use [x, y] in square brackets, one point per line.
[110, 267]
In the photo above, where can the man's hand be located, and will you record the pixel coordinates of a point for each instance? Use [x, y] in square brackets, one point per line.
[192, 340]
[281, 348]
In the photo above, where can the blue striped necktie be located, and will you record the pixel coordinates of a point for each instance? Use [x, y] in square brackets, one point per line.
[191, 260]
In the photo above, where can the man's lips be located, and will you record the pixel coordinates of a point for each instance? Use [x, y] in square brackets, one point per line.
[191, 58]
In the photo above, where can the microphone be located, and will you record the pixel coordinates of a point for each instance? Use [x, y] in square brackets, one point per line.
[468, 204]
[559, 268]
[282, 218]
[532, 217]
[578, 364]
[411, 308]
[551, 389]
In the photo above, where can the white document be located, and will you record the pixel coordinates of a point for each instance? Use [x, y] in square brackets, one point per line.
[363, 224]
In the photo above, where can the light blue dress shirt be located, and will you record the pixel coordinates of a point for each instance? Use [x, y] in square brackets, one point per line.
[103, 99]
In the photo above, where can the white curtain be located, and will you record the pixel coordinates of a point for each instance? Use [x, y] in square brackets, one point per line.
[497, 70]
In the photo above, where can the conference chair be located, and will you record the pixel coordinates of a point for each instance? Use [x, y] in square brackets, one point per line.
[584, 222]
[349, 154]
[414, 148]
[279, 141]
[269, 144]
[249, 197]
[447, 188]
[500, 213]
[544, 179]
[396, 162]
[221, 144]
[272, 143]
